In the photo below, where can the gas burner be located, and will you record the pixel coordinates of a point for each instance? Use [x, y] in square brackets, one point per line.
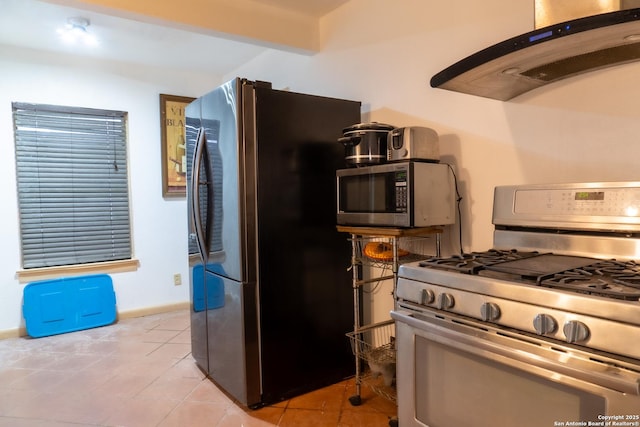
[464, 263]
[471, 263]
[612, 279]
[605, 278]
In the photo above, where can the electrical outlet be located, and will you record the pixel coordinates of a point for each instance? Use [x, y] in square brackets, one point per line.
[177, 279]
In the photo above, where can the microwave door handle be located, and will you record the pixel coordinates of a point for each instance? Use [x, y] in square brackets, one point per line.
[200, 150]
[522, 360]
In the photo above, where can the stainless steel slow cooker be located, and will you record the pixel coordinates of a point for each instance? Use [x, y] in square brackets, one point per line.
[365, 143]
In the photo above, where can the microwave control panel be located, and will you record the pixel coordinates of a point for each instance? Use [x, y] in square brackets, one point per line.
[401, 191]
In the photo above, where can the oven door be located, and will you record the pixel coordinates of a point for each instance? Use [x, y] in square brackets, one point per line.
[453, 371]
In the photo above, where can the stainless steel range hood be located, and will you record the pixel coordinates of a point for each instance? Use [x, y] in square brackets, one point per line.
[547, 54]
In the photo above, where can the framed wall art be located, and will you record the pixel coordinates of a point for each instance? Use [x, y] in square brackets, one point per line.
[174, 149]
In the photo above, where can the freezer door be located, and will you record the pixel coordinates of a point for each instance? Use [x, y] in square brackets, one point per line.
[199, 344]
[233, 355]
[213, 172]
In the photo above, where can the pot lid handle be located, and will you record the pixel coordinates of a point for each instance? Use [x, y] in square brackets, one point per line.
[350, 140]
[369, 126]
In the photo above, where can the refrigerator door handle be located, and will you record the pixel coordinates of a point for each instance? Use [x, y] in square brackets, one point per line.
[199, 154]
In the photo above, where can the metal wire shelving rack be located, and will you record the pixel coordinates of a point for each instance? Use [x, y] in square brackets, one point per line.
[374, 344]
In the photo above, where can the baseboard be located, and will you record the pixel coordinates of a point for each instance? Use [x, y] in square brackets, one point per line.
[13, 333]
[128, 314]
[148, 311]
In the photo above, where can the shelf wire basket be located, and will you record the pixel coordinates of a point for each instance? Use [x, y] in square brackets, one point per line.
[378, 250]
[375, 344]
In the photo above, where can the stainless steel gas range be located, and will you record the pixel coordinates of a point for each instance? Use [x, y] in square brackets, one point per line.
[541, 330]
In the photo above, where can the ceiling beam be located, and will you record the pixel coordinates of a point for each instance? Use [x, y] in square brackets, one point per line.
[240, 20]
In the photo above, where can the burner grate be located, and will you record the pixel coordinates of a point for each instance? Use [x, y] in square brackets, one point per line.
[473, 262]
[611, 278]
[605, 278]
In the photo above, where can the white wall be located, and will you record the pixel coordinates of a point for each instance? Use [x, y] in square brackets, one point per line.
[384, 53]
[159, 225]
[380, 52]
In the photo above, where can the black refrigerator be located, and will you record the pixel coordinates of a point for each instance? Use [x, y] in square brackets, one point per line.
[271, 297]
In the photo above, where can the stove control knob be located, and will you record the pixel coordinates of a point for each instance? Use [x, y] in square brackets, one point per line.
[445, 301]
[544, 324]
[427, 297]
[489, 311]
[575, 331]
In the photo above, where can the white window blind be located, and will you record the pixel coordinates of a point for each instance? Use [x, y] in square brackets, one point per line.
[72, 178]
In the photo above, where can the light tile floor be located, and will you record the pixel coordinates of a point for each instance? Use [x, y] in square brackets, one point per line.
[139, 372]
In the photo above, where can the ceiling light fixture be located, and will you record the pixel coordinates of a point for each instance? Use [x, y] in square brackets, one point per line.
[75, 31]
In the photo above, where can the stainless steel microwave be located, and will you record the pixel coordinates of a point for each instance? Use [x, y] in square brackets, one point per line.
[405, 194]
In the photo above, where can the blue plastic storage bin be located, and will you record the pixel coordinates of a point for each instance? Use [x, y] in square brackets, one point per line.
[58, 306]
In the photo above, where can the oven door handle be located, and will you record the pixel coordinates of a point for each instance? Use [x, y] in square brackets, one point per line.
[516, 358]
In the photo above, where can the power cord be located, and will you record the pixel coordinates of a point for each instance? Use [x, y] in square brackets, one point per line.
[458, 203]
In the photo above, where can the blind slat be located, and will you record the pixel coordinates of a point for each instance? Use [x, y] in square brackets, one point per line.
[72, 178]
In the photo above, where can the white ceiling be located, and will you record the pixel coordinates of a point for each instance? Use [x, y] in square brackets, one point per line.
[33, 23]
[315, 8]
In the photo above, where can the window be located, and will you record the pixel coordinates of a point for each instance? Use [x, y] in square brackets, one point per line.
[73, 197]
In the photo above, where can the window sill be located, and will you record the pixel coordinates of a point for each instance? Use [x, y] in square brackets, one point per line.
[34, 274]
